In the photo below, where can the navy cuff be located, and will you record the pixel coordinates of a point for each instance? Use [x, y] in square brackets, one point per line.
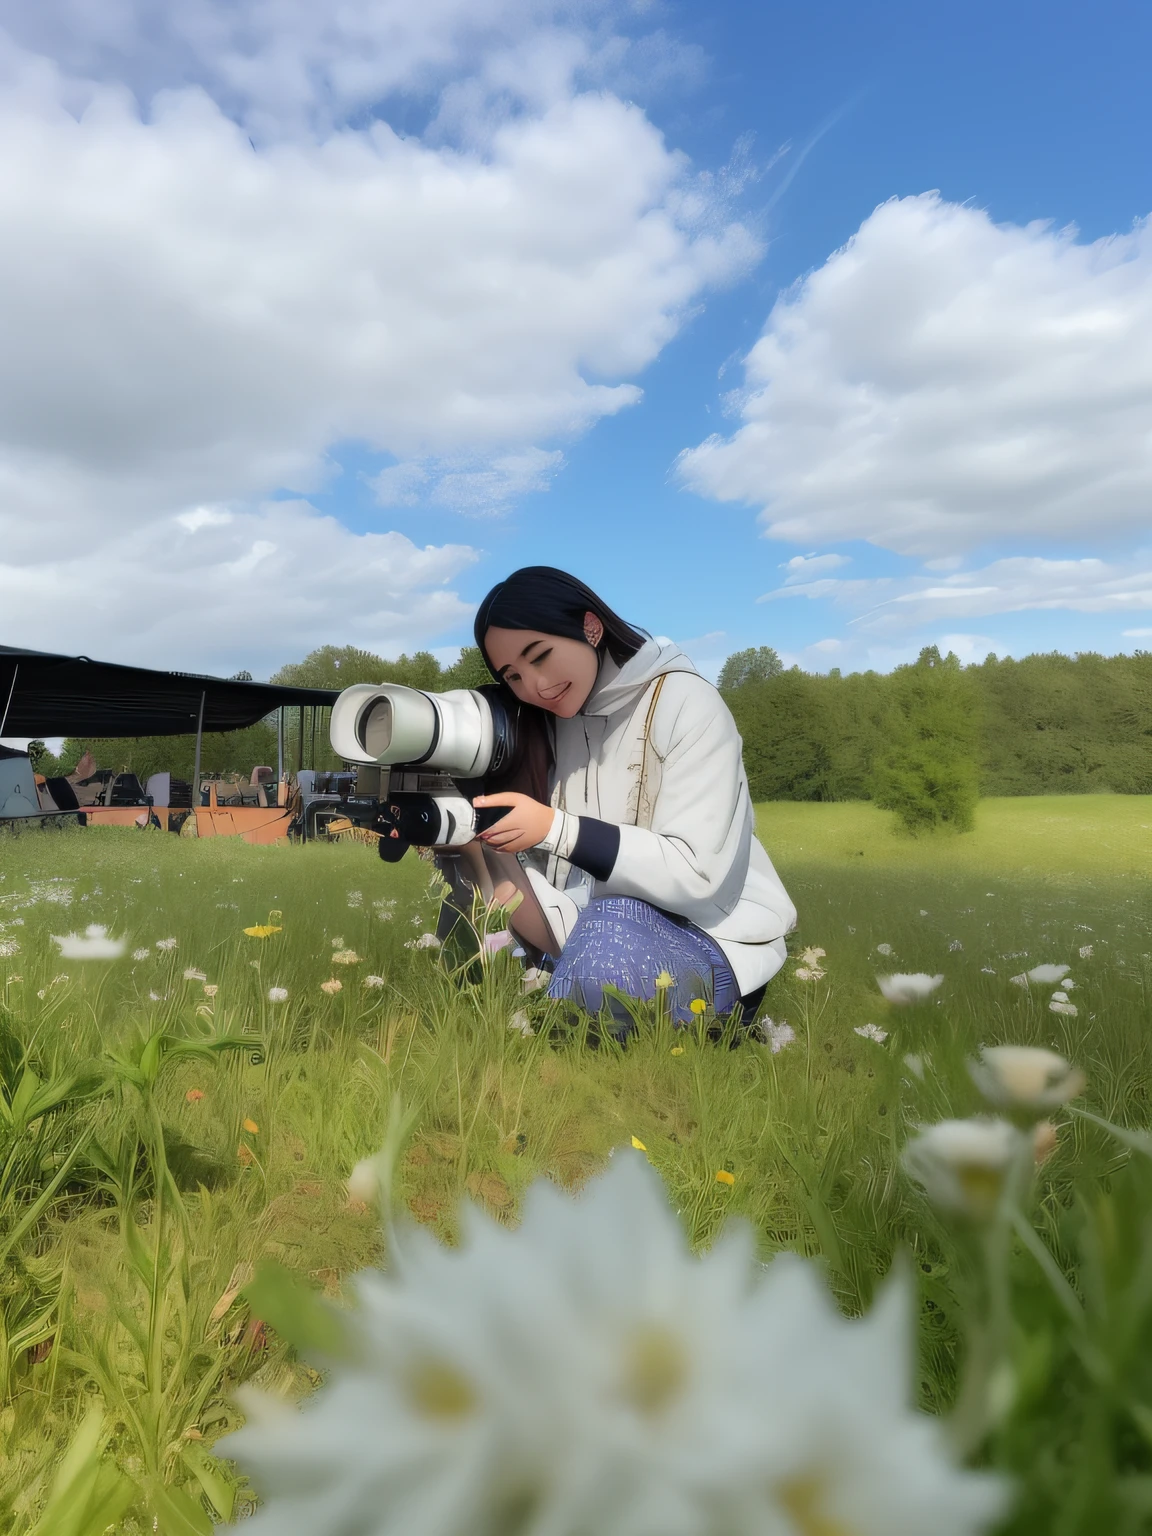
[597, 844]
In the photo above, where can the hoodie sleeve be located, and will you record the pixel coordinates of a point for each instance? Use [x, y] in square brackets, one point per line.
[694, 858]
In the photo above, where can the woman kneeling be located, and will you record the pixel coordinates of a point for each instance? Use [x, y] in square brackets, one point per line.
[639, 832]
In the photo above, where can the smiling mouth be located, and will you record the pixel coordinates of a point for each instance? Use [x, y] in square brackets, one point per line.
[551, 698]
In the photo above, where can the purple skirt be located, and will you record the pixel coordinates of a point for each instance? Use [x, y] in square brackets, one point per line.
[626, 943]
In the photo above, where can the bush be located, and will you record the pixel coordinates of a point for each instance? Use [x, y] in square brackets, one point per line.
[928, 792]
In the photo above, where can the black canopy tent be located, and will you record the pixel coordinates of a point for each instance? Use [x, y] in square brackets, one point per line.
[42, 694]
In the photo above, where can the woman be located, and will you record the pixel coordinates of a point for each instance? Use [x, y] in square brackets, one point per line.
[641, 840]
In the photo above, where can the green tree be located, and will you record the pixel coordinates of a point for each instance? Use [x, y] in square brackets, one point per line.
[471, 671]
[928, 773]
[755, 665]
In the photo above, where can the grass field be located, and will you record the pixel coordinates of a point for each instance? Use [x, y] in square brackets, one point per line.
[180, 1130]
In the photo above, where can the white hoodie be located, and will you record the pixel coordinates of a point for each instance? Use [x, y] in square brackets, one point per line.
[697, 854]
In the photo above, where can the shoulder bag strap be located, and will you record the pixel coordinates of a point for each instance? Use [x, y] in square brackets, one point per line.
[643, 807]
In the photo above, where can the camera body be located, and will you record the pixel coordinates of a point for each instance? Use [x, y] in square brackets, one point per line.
[420, 758]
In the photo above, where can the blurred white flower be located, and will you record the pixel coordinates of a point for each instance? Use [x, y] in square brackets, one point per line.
[1060, 1004]
[141, 954]
[425, 941]
[962, 1163]
[923, 913]
[364, 1182]
[355, 898]
[192, 974]
[988, 970]
[808, 973]
[883, 949]
[92, 944]
[384, 909]
[913, 988]
[345, 957]
[777, 1035]
[154, 997]
[871, 1032]
[8, 948]
[166, 943]
[521, 1023]
[338, 943]
[331, 986]
[1025, 1076]
[585, 1372]
[373, 981]
[955, 945]
[277, 994]
[1042, 974]
[812, 956]
[533, 979]
[1085, 951]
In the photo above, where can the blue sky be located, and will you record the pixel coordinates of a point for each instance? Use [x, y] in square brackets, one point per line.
[588, 305]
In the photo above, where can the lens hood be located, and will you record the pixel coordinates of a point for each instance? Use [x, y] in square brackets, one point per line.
[389, 724]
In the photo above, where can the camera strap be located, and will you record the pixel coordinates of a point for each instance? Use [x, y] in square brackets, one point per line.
[643, 803]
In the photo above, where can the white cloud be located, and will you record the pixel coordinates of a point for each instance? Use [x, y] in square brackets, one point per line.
[802, 568]
[265, 588]
[202, 298]
[1023, 583]
[942, 381]
[285, 66]
[1137, 634]
[476, 488]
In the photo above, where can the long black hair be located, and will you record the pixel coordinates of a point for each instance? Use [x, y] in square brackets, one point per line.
[543, 598]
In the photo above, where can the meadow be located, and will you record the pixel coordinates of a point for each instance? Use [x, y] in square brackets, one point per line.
[178, 1126]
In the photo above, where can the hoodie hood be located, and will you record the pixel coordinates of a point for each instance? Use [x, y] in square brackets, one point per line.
[620, 687]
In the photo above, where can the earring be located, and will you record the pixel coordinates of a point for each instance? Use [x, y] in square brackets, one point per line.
[593, 633]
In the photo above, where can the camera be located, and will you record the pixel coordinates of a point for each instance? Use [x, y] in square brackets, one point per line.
[420, 758]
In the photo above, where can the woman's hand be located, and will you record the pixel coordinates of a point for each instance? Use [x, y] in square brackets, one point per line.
[526, 823]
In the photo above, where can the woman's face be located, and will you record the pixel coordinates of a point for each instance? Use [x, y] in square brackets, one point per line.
[547, 671]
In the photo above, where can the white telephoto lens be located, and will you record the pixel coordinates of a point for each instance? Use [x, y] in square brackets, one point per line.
[387, 723]
[383, 723]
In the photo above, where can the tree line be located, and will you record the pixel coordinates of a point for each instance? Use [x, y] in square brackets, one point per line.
[1046, 724]
[925, 739]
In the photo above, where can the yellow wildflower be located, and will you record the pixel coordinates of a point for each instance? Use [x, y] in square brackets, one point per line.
[677, 1050]
[638, 1144]
[698, 1006]
[724, 1177]
[664, 980]
[261, 930]
[250, 1126]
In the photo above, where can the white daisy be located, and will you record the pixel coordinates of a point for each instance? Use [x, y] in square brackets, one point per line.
[92, 944]
[913, 988]
[584, 1372]
[962, 1164]
[871, 1032]
[1025, 1076]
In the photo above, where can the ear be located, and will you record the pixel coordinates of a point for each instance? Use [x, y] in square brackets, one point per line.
[593, 629]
